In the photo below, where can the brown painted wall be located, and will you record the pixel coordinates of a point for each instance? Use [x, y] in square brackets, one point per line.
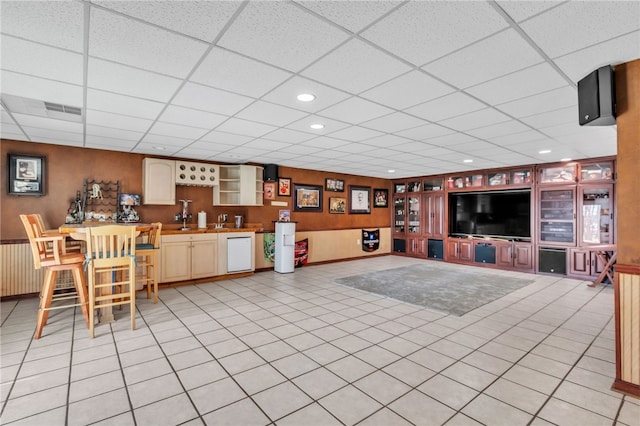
[66, 167]
[628, 123]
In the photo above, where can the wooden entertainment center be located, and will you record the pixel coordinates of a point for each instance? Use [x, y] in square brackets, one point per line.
[567, 230]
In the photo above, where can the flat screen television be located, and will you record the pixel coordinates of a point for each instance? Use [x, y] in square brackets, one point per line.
[500, 214]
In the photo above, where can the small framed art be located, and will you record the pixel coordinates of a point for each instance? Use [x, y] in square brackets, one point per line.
[380, 197]
[307, 198]
[284, 187]
[337, 205]
[334, 185]
[26, 175]
[359, 199]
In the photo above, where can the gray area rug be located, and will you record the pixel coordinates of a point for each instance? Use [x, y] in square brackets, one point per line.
[454, 292]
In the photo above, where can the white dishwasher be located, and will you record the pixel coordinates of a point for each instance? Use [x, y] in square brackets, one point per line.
[239, 254]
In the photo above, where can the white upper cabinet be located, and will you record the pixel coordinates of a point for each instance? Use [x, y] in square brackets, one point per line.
[158, 181]
[239, 185]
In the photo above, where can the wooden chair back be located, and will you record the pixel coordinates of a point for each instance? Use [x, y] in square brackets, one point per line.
[43, 254]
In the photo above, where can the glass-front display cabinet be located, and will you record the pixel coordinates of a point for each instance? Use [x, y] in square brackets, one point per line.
[399, 212]
[560, 174]
[414, 220]
[590, 172]
[596, 214]
[557, 216]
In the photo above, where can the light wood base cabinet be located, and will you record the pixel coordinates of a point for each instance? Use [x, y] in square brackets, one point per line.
[189, 256]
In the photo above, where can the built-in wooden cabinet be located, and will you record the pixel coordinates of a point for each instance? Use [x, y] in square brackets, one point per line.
[188, 256]
[434, 214]
[417, 246]
[158, 181]
[557, 215]
[595, 214]
[460, 249]
[516, 254]
[583, 261]
[196, 174]
[239, 185]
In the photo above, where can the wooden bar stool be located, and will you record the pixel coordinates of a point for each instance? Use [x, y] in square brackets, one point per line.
[111, 257]
[148, 260]
[49, 252]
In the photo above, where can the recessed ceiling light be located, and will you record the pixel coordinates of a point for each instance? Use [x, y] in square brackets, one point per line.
[468, 160]
[565, 159]
[306, 97]
[159, 148]
[317, 126]
[544, 151]
[391, 171]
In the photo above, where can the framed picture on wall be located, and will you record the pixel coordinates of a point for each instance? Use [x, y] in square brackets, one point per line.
[269, 190]
[359, 199]
[335, 185]
[284, 187]
[380, 197]
[26, 175]
[337, 205]
[307, 198]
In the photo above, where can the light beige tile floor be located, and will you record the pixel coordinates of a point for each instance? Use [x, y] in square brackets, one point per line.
[298, 349]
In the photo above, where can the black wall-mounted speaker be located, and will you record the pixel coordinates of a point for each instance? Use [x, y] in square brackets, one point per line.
[270, 173]
[597, 98]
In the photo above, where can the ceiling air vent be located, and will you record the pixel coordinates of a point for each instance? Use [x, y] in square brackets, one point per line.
[62, 108]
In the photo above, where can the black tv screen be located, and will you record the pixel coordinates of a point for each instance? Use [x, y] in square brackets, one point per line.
[502, 214]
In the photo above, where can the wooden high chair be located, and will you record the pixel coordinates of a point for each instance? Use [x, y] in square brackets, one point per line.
[111, 257]
[49, 252]
[148, 260]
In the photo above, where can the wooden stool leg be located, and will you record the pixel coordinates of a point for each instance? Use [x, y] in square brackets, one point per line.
[45, 300]
[156, 277]
[147, 276]
[81, 289]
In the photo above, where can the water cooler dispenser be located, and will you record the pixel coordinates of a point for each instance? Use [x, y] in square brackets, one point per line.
[285, 244]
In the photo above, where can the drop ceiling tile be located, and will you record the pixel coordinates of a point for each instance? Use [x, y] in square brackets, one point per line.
[473, 120]
[476, 147]
[153, 148]
[199, 19]
[426, 131]
[592, 22]
[39, 88]
[552, 118]
[28, 58]
[324, 142]
[542, 102]
[169, 142]
[353, 148]
[355, 134]
[613, 52]
[356, 66]
[224, 138]
[385, 141]
[412, 147]
[177, 130]
[197, 96]
[423, 31]
[561, 130]
[52, 124]
[110, 132]
[191, 117]
[268, 113]
[329, 125]
[10, 131]
[451, 139]
[112, 144]
[54, 136]
[226, 70]
[446, 107]
[100, 100]
[490, 58]
[516, 138]
[352, 15]
[265, 144]
[521, 10]
[537, 79]
[501, 129]
[355, 110]
[407, 90]
[282, 34]
[394, 122]
[125, 80]
[302, 150]
[244, 127]
[118, 121]
[288, 136]
[54, 23]
[151, 49]
[286, 94]
[210, 147]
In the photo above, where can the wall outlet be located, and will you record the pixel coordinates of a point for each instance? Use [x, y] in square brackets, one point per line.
[358, 242]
